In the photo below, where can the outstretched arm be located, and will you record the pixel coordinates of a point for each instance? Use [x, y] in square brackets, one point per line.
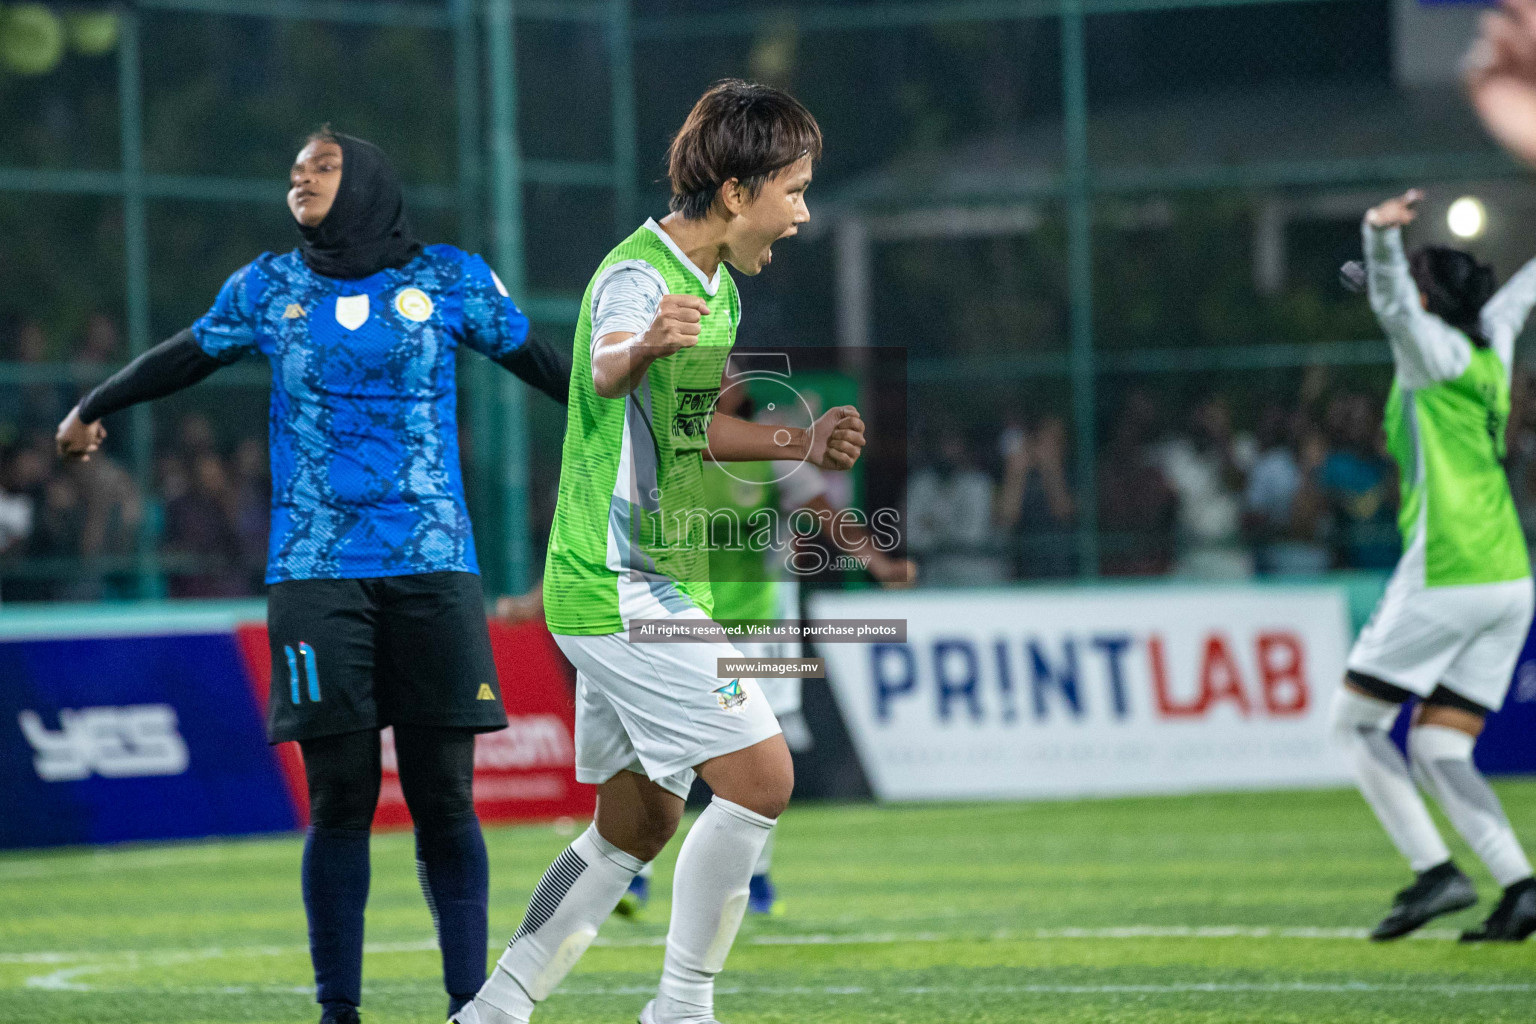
[834, 441]
[498, 330]
[542, 365]
[176, 363]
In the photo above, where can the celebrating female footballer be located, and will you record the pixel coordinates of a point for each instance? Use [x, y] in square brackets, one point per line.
[655, 329]
[1451, 624]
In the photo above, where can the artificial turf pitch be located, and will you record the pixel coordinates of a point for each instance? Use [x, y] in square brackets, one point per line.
[1209, 908]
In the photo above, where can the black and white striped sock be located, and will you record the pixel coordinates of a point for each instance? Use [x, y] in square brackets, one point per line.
[572, 900]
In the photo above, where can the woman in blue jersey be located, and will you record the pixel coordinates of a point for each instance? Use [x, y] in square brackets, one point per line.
[375, 608]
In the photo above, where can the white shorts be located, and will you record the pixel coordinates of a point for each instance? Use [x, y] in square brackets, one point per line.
[1466, 639]
[784, 695]
[659, 709]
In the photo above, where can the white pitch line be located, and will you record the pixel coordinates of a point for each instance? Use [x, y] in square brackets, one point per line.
[172, 955]
[64, 980]
[1187, 988]
[106, 959]
[164, 957]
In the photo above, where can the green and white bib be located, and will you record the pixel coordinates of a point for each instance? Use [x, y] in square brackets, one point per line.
[631, 528]
[1457, 513]
[744, 502]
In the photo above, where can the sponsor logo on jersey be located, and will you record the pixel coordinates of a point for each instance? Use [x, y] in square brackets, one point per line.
[293, 312]
[485, 692]
[695, 407]
[413, 304]
[114, 743]
[732, 696]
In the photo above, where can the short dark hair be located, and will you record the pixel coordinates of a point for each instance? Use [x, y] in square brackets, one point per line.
[1455, 285]
[737, 130]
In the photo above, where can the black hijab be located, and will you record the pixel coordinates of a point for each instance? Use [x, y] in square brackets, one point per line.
[366, 230]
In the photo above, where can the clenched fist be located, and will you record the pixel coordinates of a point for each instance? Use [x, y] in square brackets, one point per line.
[675, 326]
[837, 438]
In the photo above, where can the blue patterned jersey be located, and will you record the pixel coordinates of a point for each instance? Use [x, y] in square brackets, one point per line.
[365, 444]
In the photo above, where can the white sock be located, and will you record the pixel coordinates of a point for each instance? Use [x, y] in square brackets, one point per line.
[572, 900]
[765, 859]
[1361, 727]
[709, 897]
[1443, 759]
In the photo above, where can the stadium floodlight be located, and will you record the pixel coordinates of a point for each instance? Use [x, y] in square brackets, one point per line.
[31, 39]
[1467, 217]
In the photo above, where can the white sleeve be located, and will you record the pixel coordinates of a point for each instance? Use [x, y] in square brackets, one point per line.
[1504, 315]
[1425, 349]
[625, 298]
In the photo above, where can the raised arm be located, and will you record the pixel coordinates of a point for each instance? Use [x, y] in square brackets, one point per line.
[1504, 315]
[1425, 348]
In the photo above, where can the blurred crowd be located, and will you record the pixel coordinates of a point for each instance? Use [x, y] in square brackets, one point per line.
[1308, 488]
[1217, 488]
[71, 531]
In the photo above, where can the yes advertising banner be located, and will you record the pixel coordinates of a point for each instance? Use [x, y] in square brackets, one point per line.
[160, 735]
[1061, 693]
[109, 739]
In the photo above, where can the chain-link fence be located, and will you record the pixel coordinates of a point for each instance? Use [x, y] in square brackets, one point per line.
[1105, 235]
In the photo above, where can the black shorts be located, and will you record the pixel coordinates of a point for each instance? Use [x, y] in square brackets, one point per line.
[362, 654]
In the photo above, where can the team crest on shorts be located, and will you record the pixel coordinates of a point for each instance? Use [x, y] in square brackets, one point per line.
[731, 696]
[413, 304]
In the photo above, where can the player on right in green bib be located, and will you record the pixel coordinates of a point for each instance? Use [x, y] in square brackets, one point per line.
[1451, 624]
[630, 546]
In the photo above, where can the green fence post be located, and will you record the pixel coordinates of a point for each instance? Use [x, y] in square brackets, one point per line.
[507, 216]
[136, 266]
[1079, 201]
[621, 71]
[476, 374]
